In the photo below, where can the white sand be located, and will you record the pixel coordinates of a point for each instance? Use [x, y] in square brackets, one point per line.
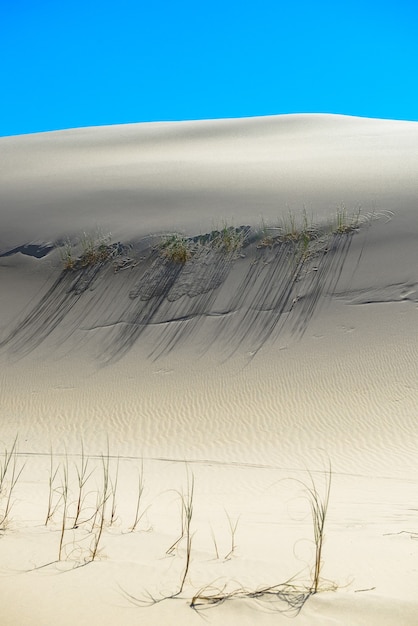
[218, 385]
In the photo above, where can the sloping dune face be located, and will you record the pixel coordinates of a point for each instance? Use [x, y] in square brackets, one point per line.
[218, 306]
[277, 217]
[137, 179]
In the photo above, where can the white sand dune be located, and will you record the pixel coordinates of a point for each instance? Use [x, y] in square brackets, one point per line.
[247, 371]
[142, 178]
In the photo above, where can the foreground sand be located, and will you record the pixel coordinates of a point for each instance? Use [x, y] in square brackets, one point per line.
[245, 385]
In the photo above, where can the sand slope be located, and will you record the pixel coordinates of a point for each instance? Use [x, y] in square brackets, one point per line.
[244, 370]
[136, 179]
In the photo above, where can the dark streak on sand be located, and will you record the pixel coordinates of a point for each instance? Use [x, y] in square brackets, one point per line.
[38, 251]
[249, 297]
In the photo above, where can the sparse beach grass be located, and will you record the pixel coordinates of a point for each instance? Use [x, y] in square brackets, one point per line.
[292, 592]
[306, 236]
[225, 355]
[81, 509]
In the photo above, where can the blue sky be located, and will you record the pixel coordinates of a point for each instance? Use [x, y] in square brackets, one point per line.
[88, 63]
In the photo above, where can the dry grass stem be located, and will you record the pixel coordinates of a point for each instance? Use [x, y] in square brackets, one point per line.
[51, 480]
[101, 507]
[138, 515]
[9, 475]
[113, 489]
[64, 496]
[187, 506]
[82, 478]
[319, 508]
[233, 529]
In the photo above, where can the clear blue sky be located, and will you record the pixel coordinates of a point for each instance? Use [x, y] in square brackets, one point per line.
[90, 62]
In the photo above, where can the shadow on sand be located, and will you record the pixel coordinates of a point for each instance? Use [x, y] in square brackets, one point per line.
[248, 297]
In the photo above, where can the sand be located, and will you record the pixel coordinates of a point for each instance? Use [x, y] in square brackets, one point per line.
[246, 372]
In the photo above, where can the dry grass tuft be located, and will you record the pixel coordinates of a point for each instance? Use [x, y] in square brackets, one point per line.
[96, 249]
[176, 248]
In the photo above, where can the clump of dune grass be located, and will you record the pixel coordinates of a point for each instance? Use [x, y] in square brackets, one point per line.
[299, 232]
[176, 248]
[265, 236]
[96, 249]
[229, 239]
[67, 255]
[180, 249]
[294, 228]
[344, 222]
[306, 239]
[301, 229]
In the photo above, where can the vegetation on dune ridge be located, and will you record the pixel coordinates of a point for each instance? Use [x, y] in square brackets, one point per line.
[306, 236]
[175, 278]
[301, 230]
[96, 249]
[180, 249]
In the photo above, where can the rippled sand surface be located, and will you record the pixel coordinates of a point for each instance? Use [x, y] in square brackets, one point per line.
[250, 372]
